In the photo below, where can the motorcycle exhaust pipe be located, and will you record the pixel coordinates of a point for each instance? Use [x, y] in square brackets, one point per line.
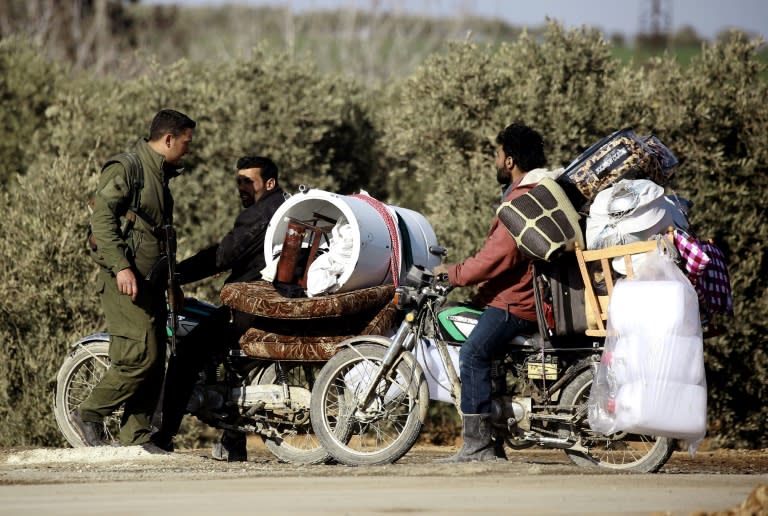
[551, 442]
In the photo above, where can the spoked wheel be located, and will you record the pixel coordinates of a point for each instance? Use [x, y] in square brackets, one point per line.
[619, 451]
[296, 443]
[386, 428]
[77, 377]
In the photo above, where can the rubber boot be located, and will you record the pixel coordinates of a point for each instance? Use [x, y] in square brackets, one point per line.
[478, 443]
[231, 448]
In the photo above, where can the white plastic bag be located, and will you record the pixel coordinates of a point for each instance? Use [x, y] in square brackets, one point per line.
[325, 271]
[651, 376]
[438, 380]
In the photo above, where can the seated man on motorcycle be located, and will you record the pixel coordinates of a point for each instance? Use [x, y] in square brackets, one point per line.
[242, 252]
[505, 289]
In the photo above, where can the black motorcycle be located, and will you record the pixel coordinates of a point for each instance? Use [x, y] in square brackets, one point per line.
[267, 397]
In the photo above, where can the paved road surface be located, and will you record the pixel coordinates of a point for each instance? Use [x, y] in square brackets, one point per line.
[72, 482]
[536, 494]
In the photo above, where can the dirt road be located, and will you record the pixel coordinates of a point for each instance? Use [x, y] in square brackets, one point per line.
[131, 481]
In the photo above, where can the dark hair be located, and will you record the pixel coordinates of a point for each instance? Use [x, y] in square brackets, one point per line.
[267, 166]
[524, 145]
[169, 121]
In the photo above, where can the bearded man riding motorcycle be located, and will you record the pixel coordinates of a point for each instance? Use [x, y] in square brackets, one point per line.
[241, 251]
[505, 279]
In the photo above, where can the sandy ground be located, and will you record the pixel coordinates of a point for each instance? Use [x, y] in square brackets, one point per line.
[132, 481]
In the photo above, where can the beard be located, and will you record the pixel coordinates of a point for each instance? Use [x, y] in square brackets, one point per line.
[246, 200]
[503, 176]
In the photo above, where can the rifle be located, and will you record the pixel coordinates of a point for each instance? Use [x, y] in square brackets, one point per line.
[166, 264]
[169, 243]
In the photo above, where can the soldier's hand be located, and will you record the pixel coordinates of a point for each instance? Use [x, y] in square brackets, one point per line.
[126, 283]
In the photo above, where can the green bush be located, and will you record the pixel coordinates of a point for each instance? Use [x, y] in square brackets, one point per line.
[426, 142]
[309, 124]
[28, 83]
[47, 298]
[440, 129]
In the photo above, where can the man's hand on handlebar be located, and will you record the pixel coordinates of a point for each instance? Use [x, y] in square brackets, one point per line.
[441, 272]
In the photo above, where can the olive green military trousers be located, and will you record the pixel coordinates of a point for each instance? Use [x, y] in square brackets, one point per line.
[137, 347]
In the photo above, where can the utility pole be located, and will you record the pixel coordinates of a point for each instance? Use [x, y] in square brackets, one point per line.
[656, 23]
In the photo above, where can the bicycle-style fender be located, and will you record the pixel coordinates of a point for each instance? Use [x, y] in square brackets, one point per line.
[88, 340]
[380, 340]
[94, 337]
[359, 339]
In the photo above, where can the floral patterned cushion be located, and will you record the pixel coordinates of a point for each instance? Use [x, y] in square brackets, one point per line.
[316, 342]
[260, 298]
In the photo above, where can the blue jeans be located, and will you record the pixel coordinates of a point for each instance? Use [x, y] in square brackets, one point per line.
[487, 341]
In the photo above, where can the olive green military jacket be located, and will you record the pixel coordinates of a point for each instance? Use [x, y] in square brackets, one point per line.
[141, 249]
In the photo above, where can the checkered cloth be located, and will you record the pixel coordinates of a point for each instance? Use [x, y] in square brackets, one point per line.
[708, 273]
[715, 282]
[692, 253]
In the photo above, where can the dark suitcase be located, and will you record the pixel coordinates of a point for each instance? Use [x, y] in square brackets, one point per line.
[559, 295]
[621, 155]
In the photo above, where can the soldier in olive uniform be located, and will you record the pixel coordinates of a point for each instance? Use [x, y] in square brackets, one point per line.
[134, 307]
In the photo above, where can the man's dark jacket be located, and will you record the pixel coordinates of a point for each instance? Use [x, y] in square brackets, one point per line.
[241, 250]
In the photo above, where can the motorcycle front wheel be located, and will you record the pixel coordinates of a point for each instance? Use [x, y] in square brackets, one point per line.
[77, 376]
[296, 442]
[380, 432]
[620, 451]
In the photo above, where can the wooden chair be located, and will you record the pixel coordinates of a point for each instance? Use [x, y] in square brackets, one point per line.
[599, 308]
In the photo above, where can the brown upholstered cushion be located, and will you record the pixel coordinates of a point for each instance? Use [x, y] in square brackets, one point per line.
[306, 341]
[260, 298]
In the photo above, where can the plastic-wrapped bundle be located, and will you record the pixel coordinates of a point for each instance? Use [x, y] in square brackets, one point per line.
[654, 308]
[651, 376]
[667, 408]
[665, 358]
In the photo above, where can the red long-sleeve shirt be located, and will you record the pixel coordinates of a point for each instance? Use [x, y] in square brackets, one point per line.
[503, 273]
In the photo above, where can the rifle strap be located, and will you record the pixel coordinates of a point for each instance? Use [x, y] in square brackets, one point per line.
[135, 178]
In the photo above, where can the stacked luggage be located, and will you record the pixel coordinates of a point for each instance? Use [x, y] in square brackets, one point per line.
[610, 248]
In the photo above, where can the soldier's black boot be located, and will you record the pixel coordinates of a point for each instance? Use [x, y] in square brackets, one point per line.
[90, 432]
[478, 442]
[231, 447]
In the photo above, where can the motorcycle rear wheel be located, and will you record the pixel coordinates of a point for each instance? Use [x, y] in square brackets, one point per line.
[387, 428]
[297, 443]
[621, 451]
[77, 376]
